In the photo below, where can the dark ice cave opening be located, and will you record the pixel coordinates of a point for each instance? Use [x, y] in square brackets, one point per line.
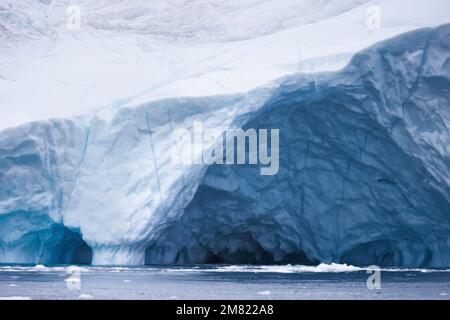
[83, 253]
[66, 247]
[384, 253]
[221, 248]
[32, 237]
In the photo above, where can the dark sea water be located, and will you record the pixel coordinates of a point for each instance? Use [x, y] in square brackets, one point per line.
[218, 282]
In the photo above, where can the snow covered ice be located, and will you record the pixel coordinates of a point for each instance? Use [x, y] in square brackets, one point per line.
[86, 118]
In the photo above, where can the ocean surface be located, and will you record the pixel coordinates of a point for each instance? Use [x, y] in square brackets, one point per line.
[219, 282]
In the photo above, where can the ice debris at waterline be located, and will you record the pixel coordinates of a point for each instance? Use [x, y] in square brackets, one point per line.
[364, 173]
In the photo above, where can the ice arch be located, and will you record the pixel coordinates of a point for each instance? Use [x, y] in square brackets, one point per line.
[342, 192]
[33, 238]
[362, 175]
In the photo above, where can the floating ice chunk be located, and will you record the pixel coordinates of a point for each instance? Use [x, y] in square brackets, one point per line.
[264, 293]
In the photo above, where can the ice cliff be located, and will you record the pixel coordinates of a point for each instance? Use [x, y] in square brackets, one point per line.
[364, 173]
[364, 170]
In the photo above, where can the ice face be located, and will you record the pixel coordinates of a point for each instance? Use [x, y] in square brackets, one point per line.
[363, 179]
[51, 168]
[363, 171]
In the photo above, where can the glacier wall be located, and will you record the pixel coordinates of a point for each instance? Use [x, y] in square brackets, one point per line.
[364, 173]
[363, 178]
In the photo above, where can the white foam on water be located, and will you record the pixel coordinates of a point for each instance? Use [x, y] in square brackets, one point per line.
[37, 268]
[321, 268]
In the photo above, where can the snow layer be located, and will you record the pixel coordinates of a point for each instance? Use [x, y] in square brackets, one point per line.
[129, 53]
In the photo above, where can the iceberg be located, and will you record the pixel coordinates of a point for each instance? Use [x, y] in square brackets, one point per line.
[363, 174]
[363, 179]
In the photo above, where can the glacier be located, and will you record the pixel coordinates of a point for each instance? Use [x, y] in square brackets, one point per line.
[364, 173]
